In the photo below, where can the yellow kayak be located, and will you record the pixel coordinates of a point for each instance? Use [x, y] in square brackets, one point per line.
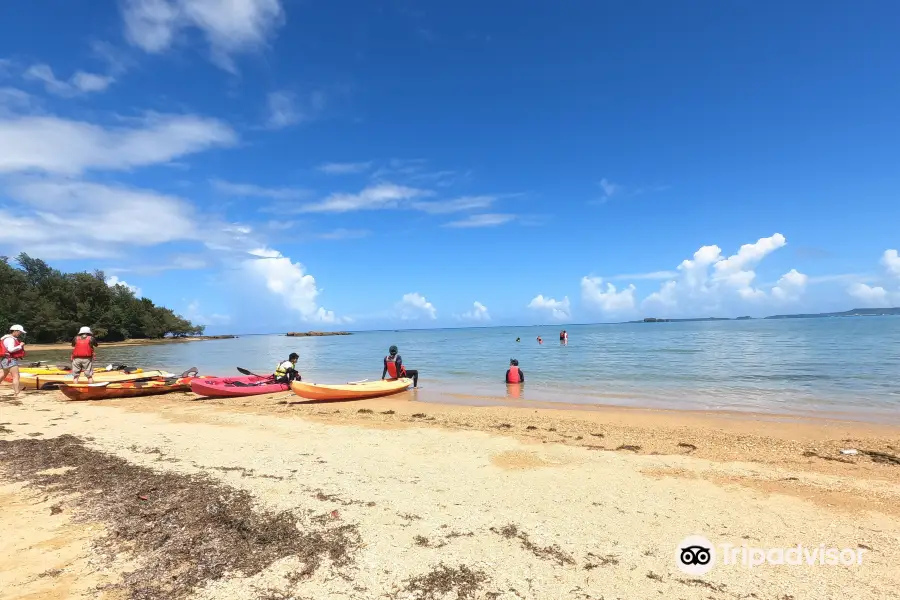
[350, 391]
[32, 381]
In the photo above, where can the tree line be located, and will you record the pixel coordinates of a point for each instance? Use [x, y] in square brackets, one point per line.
[52, 305]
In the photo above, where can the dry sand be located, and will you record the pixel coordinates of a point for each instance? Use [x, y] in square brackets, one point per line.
[404, 499]
[139, 342]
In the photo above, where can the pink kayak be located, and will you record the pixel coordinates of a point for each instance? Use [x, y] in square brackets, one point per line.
[225, 387]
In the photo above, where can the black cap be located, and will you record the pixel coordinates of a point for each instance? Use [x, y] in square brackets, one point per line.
[293, 356]
[393, 349]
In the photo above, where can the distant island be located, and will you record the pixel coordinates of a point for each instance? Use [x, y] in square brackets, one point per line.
[316, 333]
[856, 312]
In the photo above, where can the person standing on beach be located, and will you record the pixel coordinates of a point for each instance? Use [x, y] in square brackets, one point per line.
[393, 366]
[514, 374]
[83, 355]
[12, 350]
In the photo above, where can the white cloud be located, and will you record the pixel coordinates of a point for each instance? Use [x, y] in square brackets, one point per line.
[478, 313]
[872, 296]
[283, 110]
[248, 189]
[791, 286]
[891, 262]
[346, 168]
[80, 82]
[455, 205]
[485, 220]
[230, 26]
[196, 316]
[414, 306]
[290, 281]
[878, 296]
[112, 281]
[709, 282]
[609, 188]
[557, 309]
[374, 197]
[13, 101]
[609, 300]
[61, 146]
[101, 218]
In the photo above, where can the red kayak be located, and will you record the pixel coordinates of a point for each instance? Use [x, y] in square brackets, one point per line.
[228, 387]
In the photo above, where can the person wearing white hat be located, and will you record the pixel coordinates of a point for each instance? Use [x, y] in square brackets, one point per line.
[12, 349]
[83, 354]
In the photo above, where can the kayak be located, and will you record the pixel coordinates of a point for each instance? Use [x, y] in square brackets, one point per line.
[230, 387]
[31, 381]
[350, 391]
[60, 370]
[126, 389]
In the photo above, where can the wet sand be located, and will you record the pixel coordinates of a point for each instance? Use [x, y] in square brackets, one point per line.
[398, 498]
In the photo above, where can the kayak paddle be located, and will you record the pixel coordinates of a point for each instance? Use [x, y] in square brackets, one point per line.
[246, 372]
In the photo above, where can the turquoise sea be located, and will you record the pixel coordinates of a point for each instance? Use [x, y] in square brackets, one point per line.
[800, 366]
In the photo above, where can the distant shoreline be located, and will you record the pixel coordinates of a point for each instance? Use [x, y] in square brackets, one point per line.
[137, 342]
[316, 333]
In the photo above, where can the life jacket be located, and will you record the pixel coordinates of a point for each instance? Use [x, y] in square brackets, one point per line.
[513, 376]
[391, 363]
[282, 369]
[83, 347]
[20, 353]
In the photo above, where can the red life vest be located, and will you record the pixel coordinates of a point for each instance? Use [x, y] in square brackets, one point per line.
[20, 353]
[391, 363]
[514, 376]
[83, 347]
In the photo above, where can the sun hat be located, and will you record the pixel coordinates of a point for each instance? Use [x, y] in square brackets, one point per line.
[84, 330]
[17, 328]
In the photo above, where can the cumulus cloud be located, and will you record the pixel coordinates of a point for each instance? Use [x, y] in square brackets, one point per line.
[195, 315]
[791, 286]
[67, 147]
[707, 280]
[79, 83]
[290, 281]
[479, 313]
[230, 26]
[879, 296]
[414, 306]
[557, 309]
[113, 281]
[891, 262]
[608, 299]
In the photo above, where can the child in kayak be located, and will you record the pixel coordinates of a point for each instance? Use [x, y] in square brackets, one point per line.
[286, 371]
[393, 366]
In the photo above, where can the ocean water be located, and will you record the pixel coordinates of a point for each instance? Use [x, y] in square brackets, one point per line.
[848, 366]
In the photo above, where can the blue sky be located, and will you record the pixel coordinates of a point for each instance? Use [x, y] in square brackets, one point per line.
[262, 165]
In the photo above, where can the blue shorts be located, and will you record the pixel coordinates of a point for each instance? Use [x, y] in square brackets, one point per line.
[8, 363]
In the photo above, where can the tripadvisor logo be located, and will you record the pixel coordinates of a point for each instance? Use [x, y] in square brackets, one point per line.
[696, 555]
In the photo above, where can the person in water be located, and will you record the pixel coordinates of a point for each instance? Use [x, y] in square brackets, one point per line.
[286, 371]
[518, 339]
[539, 340]
[564, 337]
[514, 374]
[393, 367]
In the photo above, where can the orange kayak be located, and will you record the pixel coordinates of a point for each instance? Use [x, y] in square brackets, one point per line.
[362, 390]
[126, 389]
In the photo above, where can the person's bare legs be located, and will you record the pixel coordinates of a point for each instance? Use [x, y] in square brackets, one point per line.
[16, 382]
[5, 374]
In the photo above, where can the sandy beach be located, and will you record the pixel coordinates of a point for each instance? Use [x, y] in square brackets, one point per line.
[177, 497]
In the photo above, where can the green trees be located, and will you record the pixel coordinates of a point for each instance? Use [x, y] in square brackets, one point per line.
[52, 305]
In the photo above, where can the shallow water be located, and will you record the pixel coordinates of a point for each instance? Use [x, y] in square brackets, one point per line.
[846, 365]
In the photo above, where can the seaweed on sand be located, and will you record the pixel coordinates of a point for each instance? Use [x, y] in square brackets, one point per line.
[185, 530]
[442, 580]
